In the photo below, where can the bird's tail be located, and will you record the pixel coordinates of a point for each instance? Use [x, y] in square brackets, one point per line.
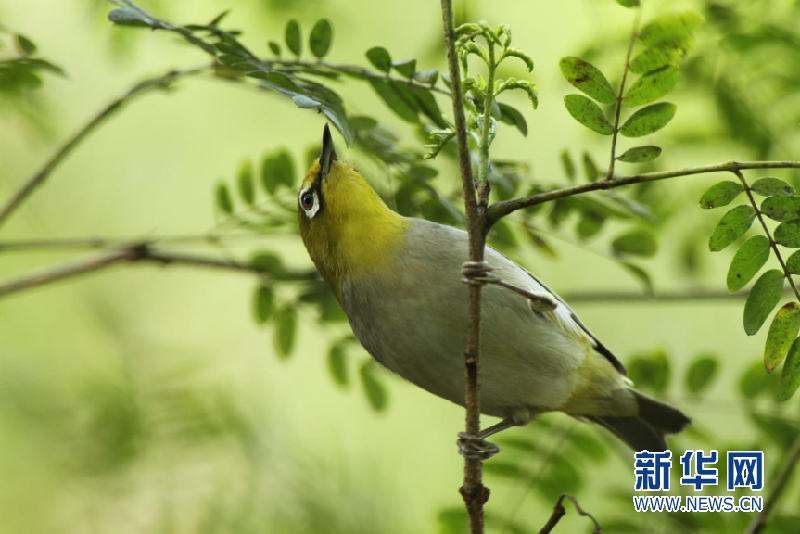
[648, 429]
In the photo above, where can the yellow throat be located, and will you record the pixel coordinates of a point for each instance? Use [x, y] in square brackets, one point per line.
[352, 232]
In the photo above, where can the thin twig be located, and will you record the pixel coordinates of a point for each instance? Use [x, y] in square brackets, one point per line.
[763, 222]
[498, 210]
[140, 253]
[475, 494]
[778, 486]
[42, 174]
[638, 297]
[618, 107]
[559, 511]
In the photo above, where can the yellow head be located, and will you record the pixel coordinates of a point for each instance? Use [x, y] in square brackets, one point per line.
[346, 227]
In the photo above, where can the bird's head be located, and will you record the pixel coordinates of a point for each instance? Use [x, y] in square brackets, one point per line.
[344, 224]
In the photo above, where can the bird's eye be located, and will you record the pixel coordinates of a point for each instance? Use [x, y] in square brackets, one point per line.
[307, 200]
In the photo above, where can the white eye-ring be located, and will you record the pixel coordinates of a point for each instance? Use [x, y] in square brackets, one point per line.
[309, 202]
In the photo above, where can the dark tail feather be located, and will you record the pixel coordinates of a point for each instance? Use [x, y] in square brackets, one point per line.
[647, 430]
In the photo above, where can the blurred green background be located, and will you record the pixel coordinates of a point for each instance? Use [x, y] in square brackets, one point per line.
[146, 400]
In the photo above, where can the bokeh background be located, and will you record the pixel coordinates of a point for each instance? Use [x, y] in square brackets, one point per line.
[148, 400]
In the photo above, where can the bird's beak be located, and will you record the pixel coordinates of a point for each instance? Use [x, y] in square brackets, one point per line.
[328, 155]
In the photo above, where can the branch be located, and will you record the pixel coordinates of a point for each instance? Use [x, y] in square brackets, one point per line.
[778, 486]
[618, 107]
[637, 297]
[772, 242]
[559, 511]
[475, 494]
[140, 253]
[159, 82]
[498, 210]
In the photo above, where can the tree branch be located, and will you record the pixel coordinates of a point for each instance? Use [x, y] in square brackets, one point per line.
[140, 253]
[559, 511]
[778, 486]
[475, 494]
[42, 174]
[498, 210]
[637, 297]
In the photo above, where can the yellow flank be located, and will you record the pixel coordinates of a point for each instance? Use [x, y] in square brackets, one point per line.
[598, 390]
[355, 232]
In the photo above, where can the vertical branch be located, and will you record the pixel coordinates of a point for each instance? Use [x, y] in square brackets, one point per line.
[483, 155]
[618, 107]
[475, 494]
[772, 242]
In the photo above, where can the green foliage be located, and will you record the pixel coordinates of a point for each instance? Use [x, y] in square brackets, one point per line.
[720, 194]
[588, 79]
[285, 333]
[701, 374]
[772, 187]
[762, 300]
[747, 261]
[320, 39]
[640, 154]
[588, 113]
[638, 243]
[373, 385]
[292, 37]
[648, 120]
[788, 234]
[782, 332]
[651, 86]
[782, 209]
[263, 303]
[790, 376]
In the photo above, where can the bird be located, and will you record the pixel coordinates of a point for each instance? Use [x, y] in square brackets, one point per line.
[400, 281]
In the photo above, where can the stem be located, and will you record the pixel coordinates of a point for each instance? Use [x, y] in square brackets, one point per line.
[473, 491]
[618, 109]
[498, 210]
[637, 297]
[559, 511]
[42, 174]
[484, 188]
[772, 242]
[138, 253]
[778, 486]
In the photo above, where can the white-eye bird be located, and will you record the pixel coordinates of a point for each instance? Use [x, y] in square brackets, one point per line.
[399, 280]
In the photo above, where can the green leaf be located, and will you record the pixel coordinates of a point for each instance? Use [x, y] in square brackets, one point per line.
[788, 234]
[245, 183]
[782, 332]
[263, 303]
[267, 262]
[772, 187]
[337, 365]
[569, 165]
[641, 275]
[126, 16]
[426, 76]
[25, 45]
[319, 41]
[380, 58]
[701, 373]
[589, 225]
[640, 154]
[793, 263]
[660, 56]
[293, 40]
[406, 67]
[753, 381]
[638, 243]
[519, 54]
[277, 169]
[781, 209]
[720, 194]
[747, 261]
[512, 116]
[275, 48]
[305, 102]
[224, 199]
[670, 28]
[588, 79]
[395, 99]
[629, 3]
[373, 385]
[588, 113]
[762, 299]
[648, 120]
[285, 331]
[790, 376]
[731, 227]
[651, 86]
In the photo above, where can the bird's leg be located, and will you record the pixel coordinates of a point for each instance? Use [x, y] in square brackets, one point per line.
[478, 273]
[477, 448]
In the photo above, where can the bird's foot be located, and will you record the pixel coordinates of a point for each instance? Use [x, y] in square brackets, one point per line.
[475, 447]
[478, 273]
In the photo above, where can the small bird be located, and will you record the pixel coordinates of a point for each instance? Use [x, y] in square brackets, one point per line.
[399, 280]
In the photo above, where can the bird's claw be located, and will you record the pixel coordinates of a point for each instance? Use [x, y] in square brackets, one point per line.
[478, 273]
[475, 448]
